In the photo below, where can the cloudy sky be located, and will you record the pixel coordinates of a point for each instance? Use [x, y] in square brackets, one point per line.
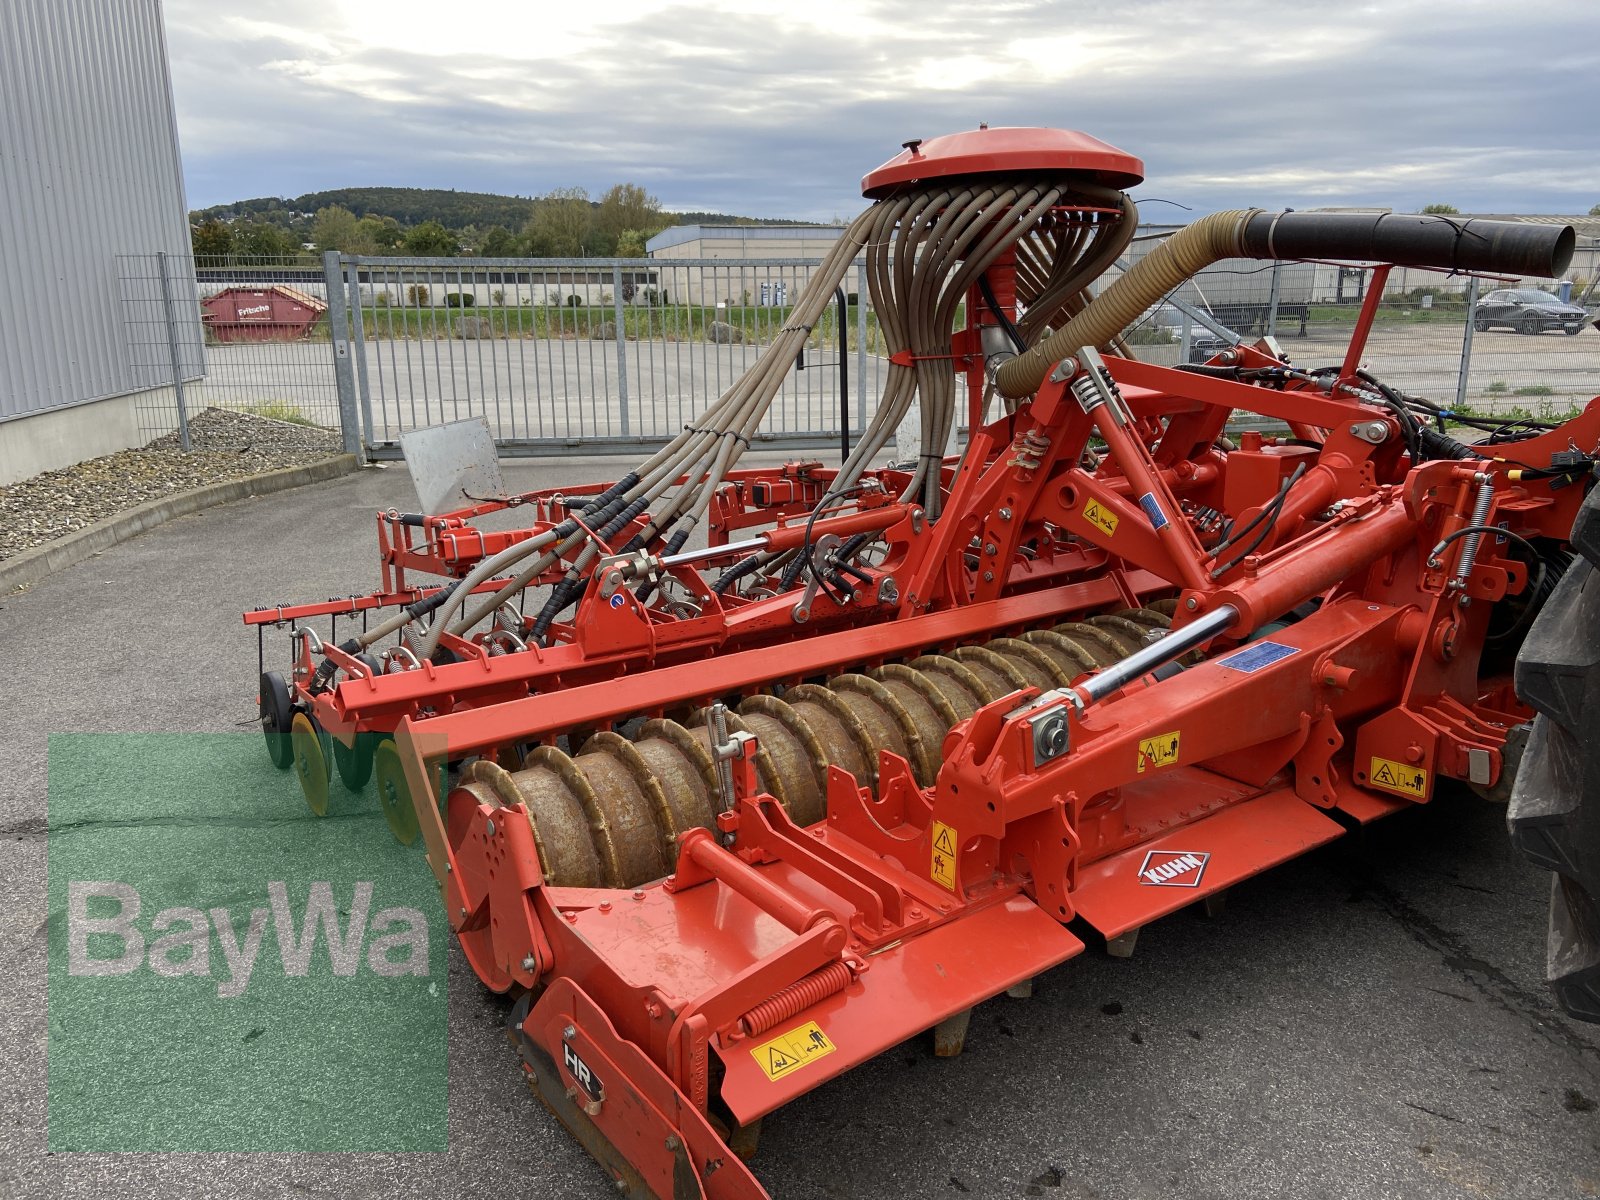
[777, 108]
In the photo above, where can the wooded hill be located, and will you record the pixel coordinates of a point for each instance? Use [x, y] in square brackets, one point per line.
[414, 206]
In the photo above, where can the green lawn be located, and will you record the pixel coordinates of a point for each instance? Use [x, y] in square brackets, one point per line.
[1391, 312]
[674, 322]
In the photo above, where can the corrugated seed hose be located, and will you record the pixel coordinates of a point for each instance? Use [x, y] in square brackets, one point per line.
[1147, 282]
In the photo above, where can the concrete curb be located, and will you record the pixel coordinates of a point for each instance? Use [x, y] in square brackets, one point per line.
[33, 565]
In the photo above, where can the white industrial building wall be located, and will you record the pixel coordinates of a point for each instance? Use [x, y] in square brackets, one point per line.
[89, 170]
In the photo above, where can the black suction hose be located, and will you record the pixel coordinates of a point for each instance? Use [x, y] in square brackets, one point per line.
[1413, 240]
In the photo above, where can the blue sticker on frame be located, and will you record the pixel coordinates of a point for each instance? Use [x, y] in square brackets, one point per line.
[1257, 655]
[1152, 509]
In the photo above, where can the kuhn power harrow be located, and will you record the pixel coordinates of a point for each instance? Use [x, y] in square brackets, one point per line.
[730, 819]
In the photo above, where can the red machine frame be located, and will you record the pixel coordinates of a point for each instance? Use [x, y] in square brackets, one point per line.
[867, 928]
[1349, 637]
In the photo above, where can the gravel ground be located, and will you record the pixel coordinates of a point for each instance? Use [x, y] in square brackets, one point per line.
[226, 445]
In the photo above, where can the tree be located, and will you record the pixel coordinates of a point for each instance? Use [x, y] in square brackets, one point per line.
[257, 239]
[561, 224]
[498, 242]
[336, 228]
[630, 244]
[532, 241]
[627, 206]
[430, 240]
[383, 232]
[1446, 210]
[1595, 211]
[211, 239]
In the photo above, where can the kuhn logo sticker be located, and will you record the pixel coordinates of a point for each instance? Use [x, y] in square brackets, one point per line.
[1174, 868]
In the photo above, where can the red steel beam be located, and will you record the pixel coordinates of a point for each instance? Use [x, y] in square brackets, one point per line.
[663, 687]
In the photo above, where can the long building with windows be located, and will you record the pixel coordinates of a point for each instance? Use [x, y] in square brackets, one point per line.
[721, 258]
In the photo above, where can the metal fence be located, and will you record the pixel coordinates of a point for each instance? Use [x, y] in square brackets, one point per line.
[570, 356]
[1423, 340]
[258, 367]
[592, 355]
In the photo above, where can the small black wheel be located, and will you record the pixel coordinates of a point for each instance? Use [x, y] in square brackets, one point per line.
[1480, 325]
[354, 763]
[277, 713]
[1527, 325]
[1573, 329]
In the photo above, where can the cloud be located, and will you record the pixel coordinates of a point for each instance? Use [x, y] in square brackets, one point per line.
[757, 107]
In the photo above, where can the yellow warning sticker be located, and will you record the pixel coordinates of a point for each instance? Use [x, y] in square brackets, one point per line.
[1399, 777]
[790, 1051]
[1159, 751]
[1102, 518]
[942, 868]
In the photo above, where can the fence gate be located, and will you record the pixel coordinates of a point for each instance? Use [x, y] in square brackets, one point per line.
[585, 355]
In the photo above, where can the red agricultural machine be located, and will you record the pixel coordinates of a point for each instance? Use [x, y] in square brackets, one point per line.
[888, 740]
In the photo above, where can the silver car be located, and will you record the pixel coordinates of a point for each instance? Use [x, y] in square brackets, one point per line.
[1527, 310]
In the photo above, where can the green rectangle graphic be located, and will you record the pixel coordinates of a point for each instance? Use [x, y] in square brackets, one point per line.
[228, 971]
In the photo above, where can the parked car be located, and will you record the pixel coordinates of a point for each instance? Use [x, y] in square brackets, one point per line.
[1163, 324]
[1203, 344]
[1527, 310]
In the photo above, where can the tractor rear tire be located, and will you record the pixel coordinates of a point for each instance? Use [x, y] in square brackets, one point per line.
[1554, 815]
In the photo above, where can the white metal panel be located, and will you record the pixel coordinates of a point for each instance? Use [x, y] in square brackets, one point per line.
[89, 170]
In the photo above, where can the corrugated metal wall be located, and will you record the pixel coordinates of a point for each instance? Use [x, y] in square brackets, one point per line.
[89, 169]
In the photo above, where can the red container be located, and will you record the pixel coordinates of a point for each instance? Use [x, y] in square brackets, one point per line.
[277, 313]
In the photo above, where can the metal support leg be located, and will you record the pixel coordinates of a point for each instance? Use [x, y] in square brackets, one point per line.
[744, 1139]
[343, 368]
[1122, 945]
[172, 350]
[950, 1034]
[1465, 373]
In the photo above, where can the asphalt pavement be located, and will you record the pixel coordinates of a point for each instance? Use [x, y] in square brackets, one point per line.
[1368, 1021]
